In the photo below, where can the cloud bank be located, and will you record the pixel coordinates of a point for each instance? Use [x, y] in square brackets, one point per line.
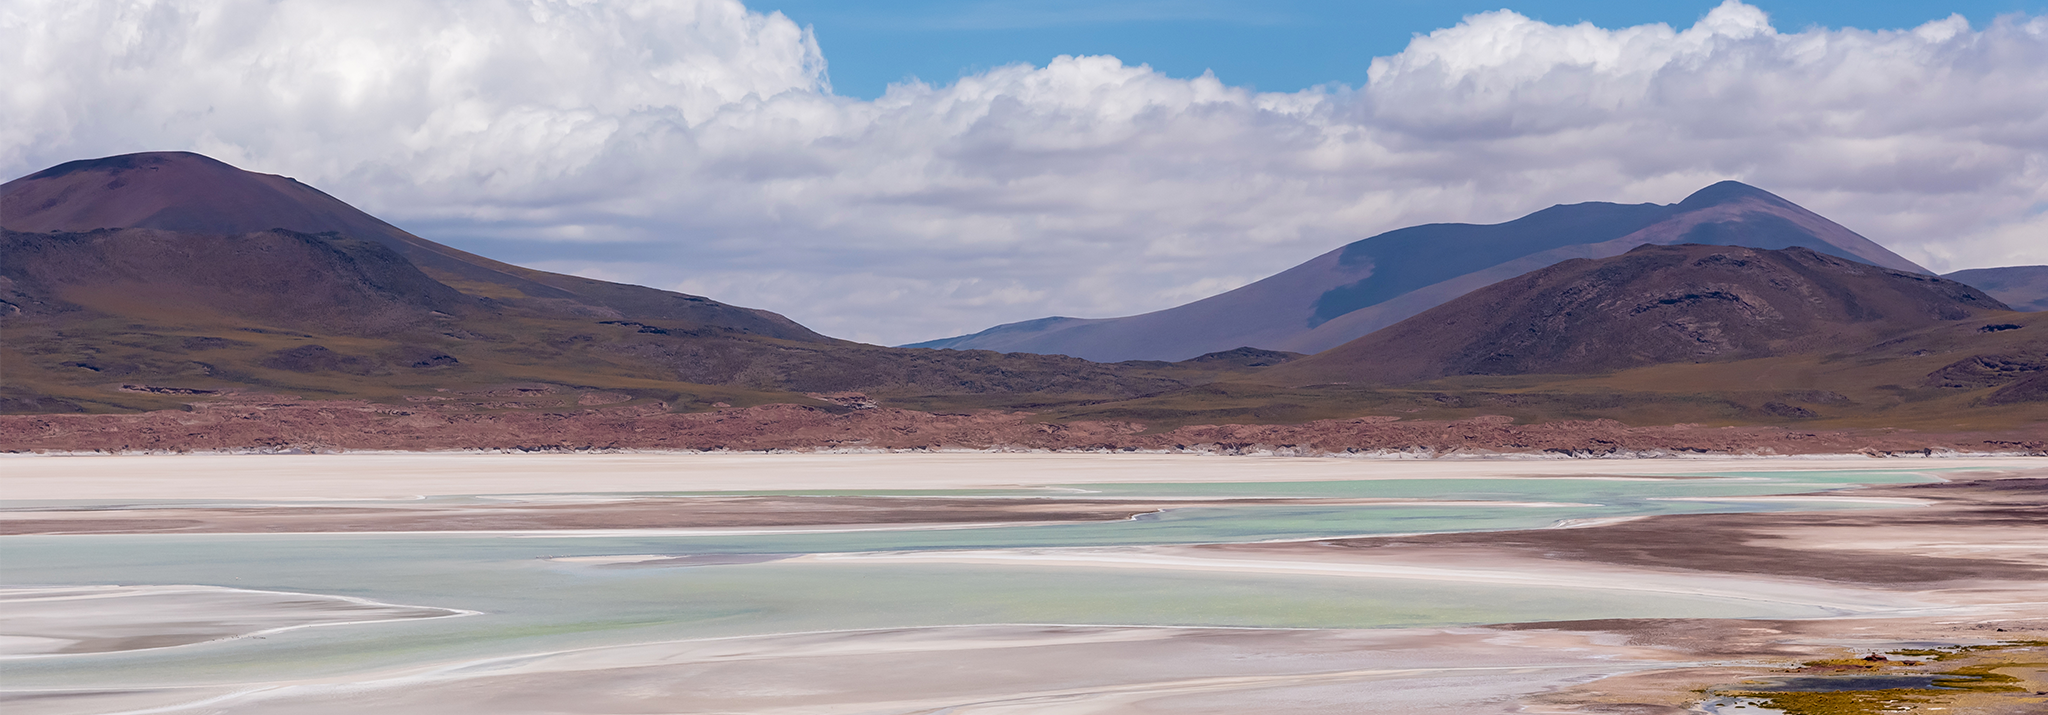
[696, 145]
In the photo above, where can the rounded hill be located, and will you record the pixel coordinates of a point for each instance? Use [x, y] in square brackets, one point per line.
[1652, 305]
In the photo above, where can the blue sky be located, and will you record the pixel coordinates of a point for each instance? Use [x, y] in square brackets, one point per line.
[1271, 45]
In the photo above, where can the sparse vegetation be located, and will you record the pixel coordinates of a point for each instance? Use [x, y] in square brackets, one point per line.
[1982, 678]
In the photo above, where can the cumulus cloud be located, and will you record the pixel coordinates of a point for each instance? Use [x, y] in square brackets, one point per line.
[695, 144]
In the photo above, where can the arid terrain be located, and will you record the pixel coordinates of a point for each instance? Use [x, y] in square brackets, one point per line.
[269, 424]
[173, 302]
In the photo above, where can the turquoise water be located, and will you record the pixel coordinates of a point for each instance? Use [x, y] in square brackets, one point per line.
[531, 604]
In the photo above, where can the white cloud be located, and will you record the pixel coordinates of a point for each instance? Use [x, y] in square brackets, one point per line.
[694, 143]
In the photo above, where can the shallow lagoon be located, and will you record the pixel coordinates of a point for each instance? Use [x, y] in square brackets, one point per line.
[529, 604]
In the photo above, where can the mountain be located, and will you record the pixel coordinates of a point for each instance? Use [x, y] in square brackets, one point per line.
[2022, 287]
[141, 281]
[1652, 305]
[1376, 282]
[192, 194]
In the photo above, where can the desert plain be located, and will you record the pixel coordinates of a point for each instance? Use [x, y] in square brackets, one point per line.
[976, 582]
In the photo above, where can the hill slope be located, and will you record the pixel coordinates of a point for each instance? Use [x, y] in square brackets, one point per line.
[149, 280]
[1650, 306]
[194, 194]
[1370, 284]
[2022, 287]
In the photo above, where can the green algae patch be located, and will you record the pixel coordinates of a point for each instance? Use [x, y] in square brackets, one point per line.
[1843, 702]
[1984, 678]
[1844, 665]
[1894, 685]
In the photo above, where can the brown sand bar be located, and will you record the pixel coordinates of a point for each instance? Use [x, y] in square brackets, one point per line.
[41, 622]
[410, 475]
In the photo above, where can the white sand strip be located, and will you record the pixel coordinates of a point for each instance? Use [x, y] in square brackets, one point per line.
[407, 475]
[75, 620]
[1504, 571]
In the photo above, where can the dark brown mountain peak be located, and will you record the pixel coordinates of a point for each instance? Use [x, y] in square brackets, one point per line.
[175, 191]
[280, 277]
[194, 194]
[1654, 304]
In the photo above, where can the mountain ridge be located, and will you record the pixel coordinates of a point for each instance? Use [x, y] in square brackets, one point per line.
[2022, 287]
[1655, 304]
[1369, 284]
[196, 194]
[333, 324]
[139, 281]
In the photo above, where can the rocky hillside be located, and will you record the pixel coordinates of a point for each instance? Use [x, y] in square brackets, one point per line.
[181, 193]
[1653, 305]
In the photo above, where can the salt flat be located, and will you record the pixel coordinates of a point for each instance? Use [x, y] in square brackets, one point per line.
[1170, 583]
[404, 475]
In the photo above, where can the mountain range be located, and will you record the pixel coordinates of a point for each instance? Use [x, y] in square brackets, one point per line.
[161, 281]
[1370, 284]
[130, 280]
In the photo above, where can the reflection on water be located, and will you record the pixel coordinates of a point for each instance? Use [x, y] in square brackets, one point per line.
[532, 604]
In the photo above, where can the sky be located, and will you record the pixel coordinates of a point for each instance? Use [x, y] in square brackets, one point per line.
[1268, 45]
[901, 170]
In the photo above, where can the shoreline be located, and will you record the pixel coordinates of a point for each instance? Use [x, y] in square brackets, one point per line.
[411, 475]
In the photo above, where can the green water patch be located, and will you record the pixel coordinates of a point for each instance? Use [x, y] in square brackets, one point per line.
[532, 605]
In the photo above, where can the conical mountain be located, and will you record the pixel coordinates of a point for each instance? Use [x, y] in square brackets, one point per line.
[1376, 282]
[193, 194]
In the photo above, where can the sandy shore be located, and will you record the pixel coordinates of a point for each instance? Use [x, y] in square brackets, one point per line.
[411, 475]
